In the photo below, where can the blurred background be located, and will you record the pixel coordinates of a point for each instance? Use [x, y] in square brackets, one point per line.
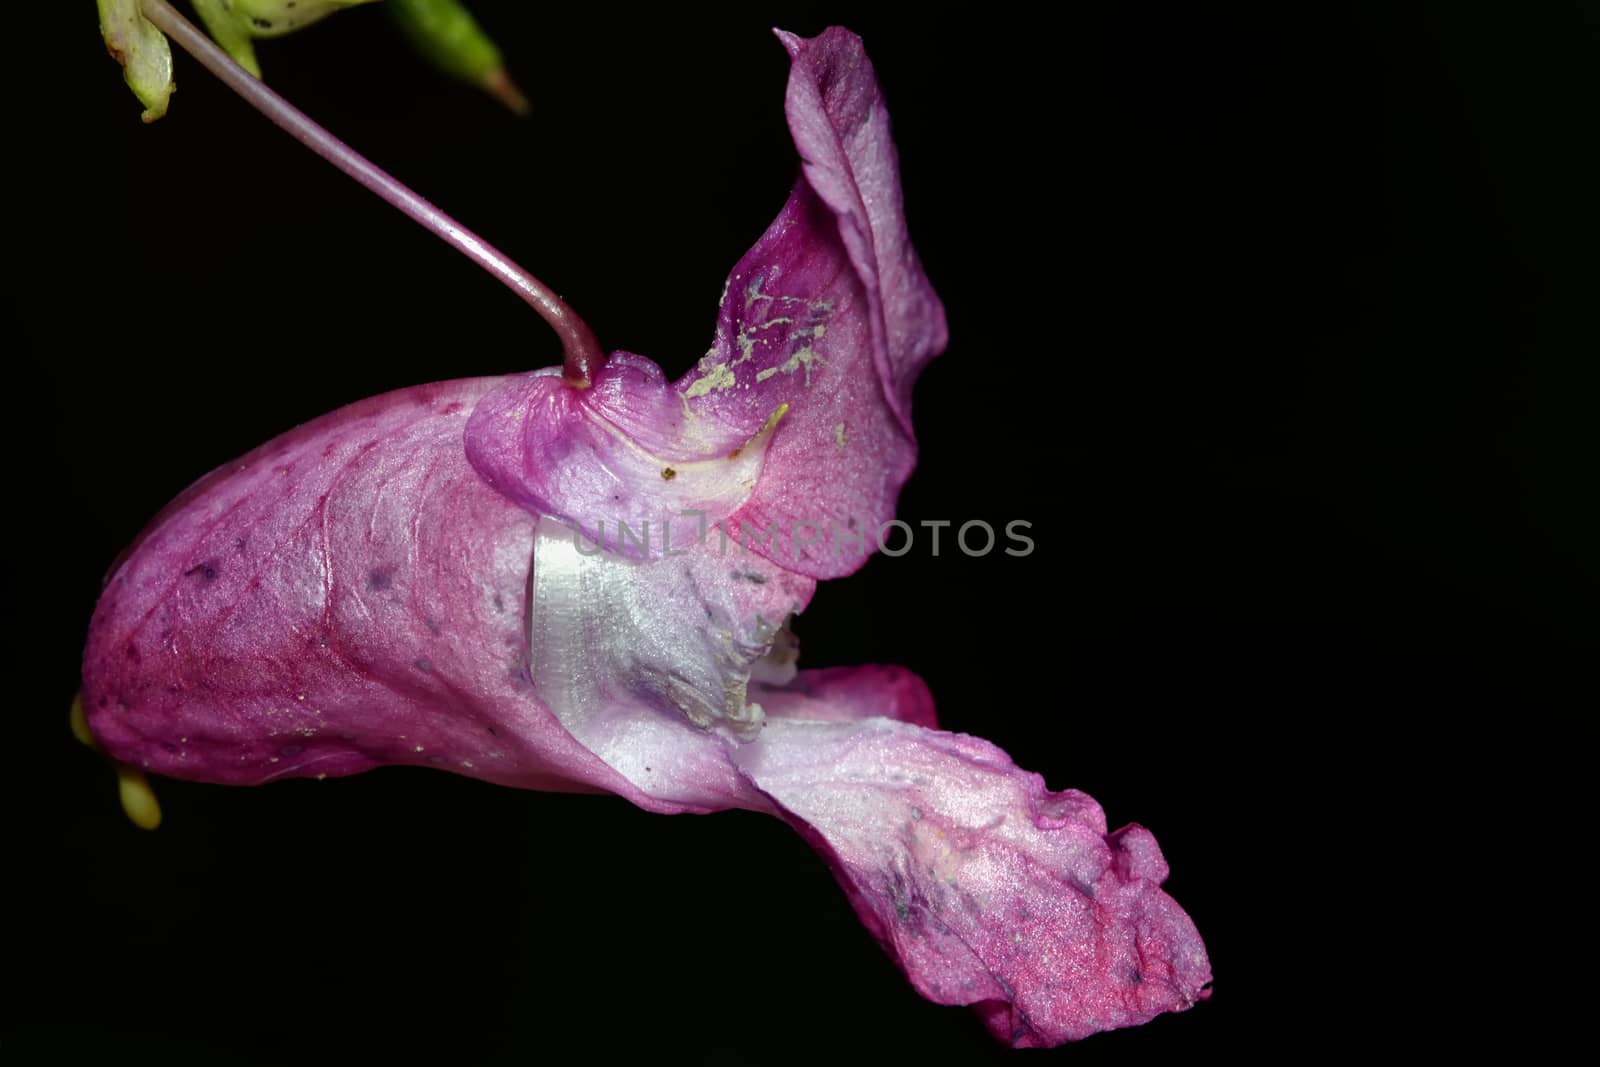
[1278, 328]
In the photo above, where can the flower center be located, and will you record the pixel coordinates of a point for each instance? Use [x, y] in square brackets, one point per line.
[615, 641]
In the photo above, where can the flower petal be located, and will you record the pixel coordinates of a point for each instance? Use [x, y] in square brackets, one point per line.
[986, 888]
[841, 128]
[794, 429]
[648, 663]
[352, 594]
[625, 460]
[835, 694]
[348, 595]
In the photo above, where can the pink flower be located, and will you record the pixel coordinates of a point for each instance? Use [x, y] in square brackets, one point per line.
[400, 582]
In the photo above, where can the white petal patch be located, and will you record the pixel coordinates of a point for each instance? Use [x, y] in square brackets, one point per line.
[614, 641]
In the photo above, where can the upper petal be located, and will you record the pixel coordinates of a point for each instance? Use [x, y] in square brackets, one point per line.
[841, 128]
[795, 425]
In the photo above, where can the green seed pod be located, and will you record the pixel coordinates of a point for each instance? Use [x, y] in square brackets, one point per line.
[142, 50]
[451, 39]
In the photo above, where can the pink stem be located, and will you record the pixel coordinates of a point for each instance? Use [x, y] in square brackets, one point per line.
[581, 353]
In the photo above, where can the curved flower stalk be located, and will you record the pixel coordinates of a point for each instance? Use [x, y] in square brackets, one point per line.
[401, 582]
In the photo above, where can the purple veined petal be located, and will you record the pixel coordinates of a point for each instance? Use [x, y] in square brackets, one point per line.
[793, 431]
[841, 128]
[983, 886]
[624, 461]
[348, 595]
[845, 694]
[352, 594]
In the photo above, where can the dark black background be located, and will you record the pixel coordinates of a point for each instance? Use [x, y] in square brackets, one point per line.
[1277, 327]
